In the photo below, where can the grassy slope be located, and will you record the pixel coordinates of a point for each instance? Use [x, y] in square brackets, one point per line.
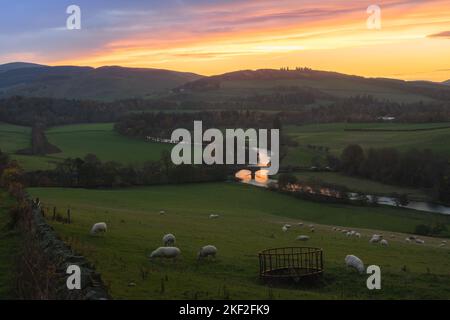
[77, 141]
[336, 138]
[9, 244]
[250, 221]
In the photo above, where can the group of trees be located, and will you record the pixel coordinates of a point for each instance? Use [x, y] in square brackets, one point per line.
[162, 124]
[413, 168]
[90, 172]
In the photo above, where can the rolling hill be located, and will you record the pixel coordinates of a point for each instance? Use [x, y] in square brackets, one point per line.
[104, 83]
[323, 84]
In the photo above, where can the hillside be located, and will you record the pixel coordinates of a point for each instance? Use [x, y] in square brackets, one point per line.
[105, 83]
[18, 65]
[323, 85]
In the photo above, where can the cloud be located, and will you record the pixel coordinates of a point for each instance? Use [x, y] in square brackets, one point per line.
[444, 34]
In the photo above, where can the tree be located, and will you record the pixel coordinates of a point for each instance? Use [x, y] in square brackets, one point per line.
[351, 159]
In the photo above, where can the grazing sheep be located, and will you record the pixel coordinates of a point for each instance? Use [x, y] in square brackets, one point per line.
[207, 251]
[384, 243]
[311, 226]
[300, 224]
[284, 229]
[392, 236]
[348, 234]
[442, 245]
[338, 229]
[408, 240]
[287, 226]
[444, 241]
[334, 228]
[354, 262]
[162, 212]
[358, 235]
[312, 230]
[214, 216]
[302, 238]
[344, 231]
[99, 227]
[376, 238]
[169, 240]
[420, 241]
[166, 252]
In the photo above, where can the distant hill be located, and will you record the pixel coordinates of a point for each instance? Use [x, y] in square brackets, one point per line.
[447, 82]
[105, 83]
[18, 65]
[323, 84]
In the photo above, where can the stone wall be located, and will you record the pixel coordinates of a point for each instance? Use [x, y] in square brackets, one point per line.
[62, 256]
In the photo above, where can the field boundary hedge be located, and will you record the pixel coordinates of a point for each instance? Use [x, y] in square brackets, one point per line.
[397, 130]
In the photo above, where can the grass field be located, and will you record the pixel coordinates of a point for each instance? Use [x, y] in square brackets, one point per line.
[336, 138]
[250, 220]
[361, 185]
[77, 141]
[9, 245]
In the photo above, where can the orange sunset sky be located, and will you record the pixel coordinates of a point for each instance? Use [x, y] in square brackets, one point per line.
[212, 37]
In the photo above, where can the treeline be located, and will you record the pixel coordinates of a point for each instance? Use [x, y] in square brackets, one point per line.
[413, 168]
[162, 124]
[90, 172]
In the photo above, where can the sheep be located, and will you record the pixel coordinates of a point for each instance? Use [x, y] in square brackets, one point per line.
[358, 235]
[408, 240]
[285, 229]
[334, 228]
[213, 216]
[354, 262]
[287, 226]
[302, 238]
[344, 231]
[348, 234]
[165, 252]
[99, 227]
[444, 241]
[376, 238]
[420, 241]
[207, 251]
[442, 245]
[162, 212]
[169, 240]
[311, 226]
[312, 230]
[300, 224]
[384, 243]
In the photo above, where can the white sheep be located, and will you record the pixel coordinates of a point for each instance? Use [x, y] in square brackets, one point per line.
[408, 240]
[358, 235]
[348, 234]
[312, 230]
[162, 212]
[311, 226]
[384, 243]
[442, 245]
[302, 238]
[99, 227]
[420, 241]
[166, 252]
[354, 262]
[169, 240]
[285, 229]
[213, 216]
[207, 251]
[287, 226]
[334, 228]
[376, 238]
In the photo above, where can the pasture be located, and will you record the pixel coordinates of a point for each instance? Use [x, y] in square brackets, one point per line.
[250, 220]
[77, 141]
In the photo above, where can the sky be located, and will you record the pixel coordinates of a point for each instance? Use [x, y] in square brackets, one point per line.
[217, 36]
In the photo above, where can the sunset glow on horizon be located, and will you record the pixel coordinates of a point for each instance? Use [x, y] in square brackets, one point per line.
[214, 37]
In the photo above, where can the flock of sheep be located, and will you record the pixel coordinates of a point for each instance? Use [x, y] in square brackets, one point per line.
[168, 251]
[353, 261]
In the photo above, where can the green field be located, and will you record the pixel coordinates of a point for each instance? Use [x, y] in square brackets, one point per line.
[336, 138]
[250, 220]
[77, 141]
[361, 185]
[9, 245]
